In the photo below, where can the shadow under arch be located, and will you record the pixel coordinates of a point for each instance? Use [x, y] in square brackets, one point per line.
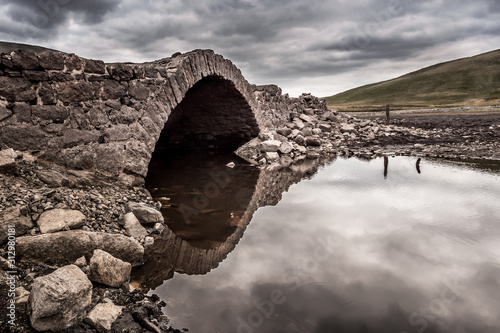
[213, 114]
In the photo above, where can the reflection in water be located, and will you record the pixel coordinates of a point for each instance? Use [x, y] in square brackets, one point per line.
[207, 207]
[349, 251]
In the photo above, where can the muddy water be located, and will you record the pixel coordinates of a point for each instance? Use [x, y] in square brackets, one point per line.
[356, 246]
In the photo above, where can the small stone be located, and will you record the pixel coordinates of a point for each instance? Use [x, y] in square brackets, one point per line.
[325, 128]
[231, 165]
[270, 146]
[8, 161]
[81, 262]
[286, 148]
[148, 241]
[347, 128]
[158, 228]
[22, 295]
[13, 216]
[272, 156]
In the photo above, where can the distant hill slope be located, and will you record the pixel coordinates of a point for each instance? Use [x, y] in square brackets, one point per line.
[473, 81]
[6, 47]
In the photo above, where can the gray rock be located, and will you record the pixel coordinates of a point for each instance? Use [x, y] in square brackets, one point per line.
[51, 177]
[313, 141]
[325, 128]
[286, 148]
[306, 118]
[158, 228]
[60, 300]
[81, 262]
[270, 146]
[145, 214]
[299, 124]
[285, 131]
[347, 128]
[8, 161]
[306, 132]
[272, 156]
[58, 219]
[4, 113]
[300, 140]
[134, 227]
[13, 217]
[108, 270]
[103, 316]
[71, 245]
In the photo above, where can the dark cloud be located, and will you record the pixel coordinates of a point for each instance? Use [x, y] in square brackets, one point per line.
[43, 18]
[279, 41]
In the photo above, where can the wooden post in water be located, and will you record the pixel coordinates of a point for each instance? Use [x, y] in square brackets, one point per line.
[387, 115]
[386, 166]
[418, 165]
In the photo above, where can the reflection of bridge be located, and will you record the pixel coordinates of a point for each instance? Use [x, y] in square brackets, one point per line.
[110, 117]
[171, 253]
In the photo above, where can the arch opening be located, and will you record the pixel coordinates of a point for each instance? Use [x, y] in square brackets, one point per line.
[212, 115]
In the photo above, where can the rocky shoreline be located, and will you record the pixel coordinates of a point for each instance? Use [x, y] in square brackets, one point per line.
[69, 221]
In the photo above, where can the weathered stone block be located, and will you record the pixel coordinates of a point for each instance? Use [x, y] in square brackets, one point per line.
[25, 60]
[111, 89]
[71, 245]
[145, 214]
[73, 62]
[120, 71]
[23, 137]
[51, 60]
[58, 219]
[134, 227]
[108, 270]
[95, 66]
[13, 217]
[103, 316]
[74, 91]
[47, 94]
[16, 89]
[4, 113]
[60, 300]
[55, 113]
[110, 158]
[138, 91]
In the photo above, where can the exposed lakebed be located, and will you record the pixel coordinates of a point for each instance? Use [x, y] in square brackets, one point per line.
[351, 248]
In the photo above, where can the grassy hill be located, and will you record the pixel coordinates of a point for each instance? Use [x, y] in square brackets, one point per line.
[473, 81]
[6, 47]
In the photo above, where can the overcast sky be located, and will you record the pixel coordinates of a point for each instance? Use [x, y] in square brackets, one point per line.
[323, 47]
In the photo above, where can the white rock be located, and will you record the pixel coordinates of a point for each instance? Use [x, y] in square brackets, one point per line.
[231, 165]
[103, 316]
[272, 156]
[270, 146]
[286, 148]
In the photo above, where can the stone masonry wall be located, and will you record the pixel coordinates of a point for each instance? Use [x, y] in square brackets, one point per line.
[85, 114]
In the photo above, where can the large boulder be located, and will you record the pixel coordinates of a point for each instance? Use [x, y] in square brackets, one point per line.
[58, 219]
[103, 316]
[108, 270]
[145, 214]
[60, 300]
[71, 245]
[13, 216]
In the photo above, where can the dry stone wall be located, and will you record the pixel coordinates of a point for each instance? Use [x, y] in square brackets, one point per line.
[86, 114]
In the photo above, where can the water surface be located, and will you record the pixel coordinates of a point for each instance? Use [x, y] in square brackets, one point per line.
[354, 249]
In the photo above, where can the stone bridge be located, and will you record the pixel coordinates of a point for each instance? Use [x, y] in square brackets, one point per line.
[111, 118]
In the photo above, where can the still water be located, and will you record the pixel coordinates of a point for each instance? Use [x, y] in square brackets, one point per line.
[349, 248]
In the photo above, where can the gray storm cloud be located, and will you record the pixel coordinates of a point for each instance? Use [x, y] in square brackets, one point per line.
[323, 47]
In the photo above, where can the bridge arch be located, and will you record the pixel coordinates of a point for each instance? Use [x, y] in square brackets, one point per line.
[110, 118]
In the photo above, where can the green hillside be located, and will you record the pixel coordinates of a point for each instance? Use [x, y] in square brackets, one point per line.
[6, 47]
[473, 81]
